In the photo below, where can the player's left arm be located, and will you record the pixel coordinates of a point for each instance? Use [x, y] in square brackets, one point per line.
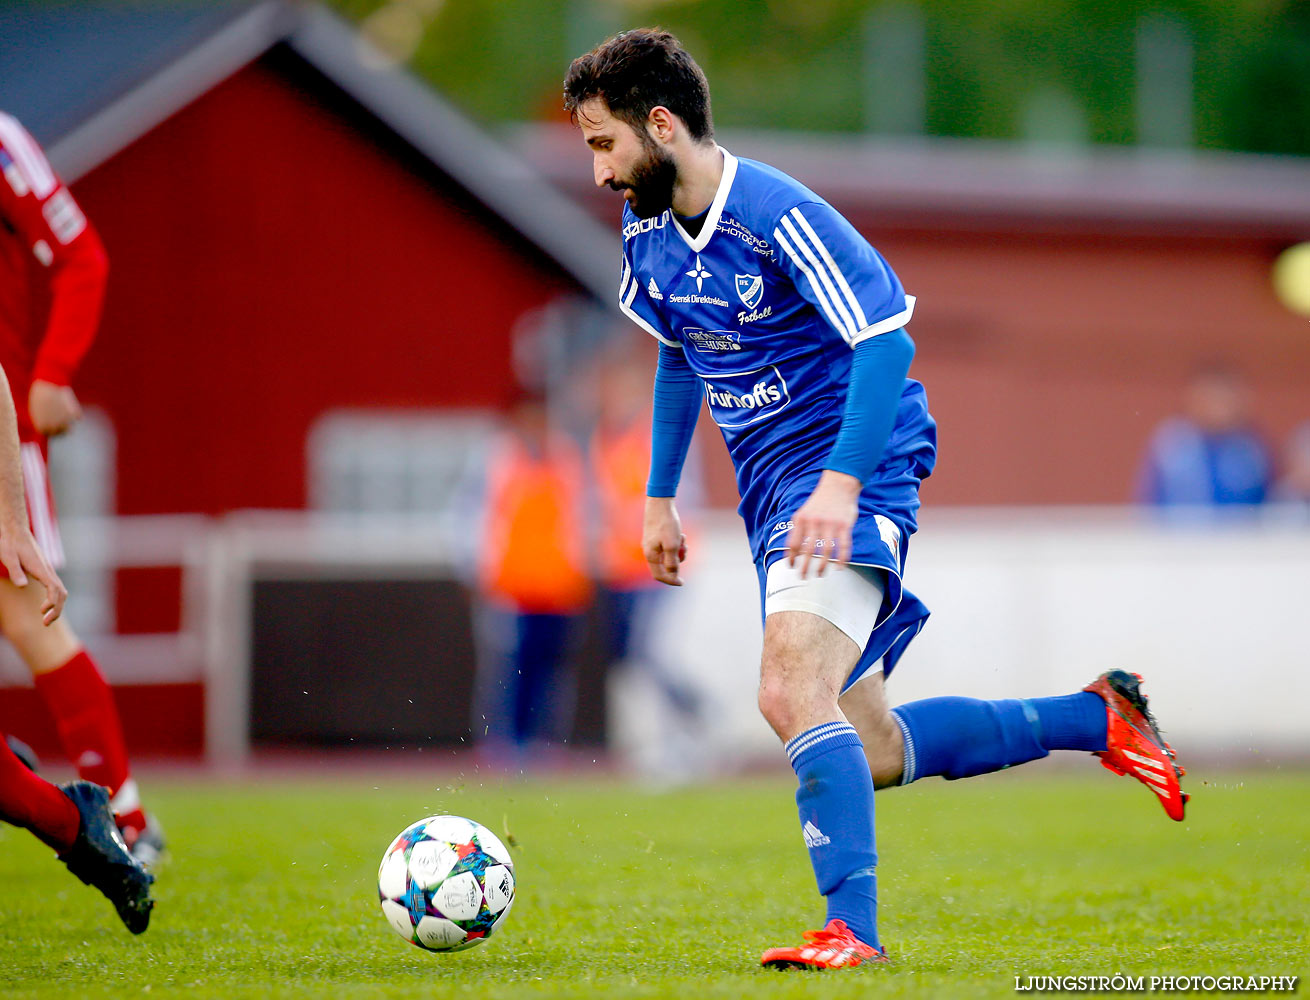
[859, 295]
[676, 406]
[44, 214]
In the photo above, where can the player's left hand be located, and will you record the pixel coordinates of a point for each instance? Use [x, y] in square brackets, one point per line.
[53, 408]
[821, 529]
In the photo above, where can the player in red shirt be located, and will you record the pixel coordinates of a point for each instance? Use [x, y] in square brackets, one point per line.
[75, 819]
[52, 282]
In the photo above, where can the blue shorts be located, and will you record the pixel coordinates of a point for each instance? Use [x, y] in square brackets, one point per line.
[879, 541]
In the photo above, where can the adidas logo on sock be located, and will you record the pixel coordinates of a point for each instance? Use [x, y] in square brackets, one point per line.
[814, 837]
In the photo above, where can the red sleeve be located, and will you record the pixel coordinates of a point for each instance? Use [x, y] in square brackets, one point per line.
[45, 216]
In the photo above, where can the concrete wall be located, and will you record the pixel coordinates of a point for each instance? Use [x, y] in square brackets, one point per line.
[1026, 602]
[1029, 602]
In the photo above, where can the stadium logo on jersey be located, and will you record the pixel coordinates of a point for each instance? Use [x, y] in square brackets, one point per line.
[712, 340]
[750, 289]
[740, 398]
[644, 226]
[653, 290]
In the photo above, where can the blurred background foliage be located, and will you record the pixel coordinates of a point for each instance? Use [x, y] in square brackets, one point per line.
[1219, 74]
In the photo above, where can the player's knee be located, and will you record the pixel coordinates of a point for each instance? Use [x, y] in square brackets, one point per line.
[794, 689]
[42, 647]
[23, 633]
[776, 705]
[790, 704]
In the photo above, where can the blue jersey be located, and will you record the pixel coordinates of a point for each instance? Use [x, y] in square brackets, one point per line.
[767, 302]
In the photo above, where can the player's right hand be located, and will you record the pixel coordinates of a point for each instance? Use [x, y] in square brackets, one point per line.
[52, 408]
[23, 558]
[662, 540]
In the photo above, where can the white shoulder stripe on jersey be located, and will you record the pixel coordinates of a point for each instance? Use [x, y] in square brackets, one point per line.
[856, 311]
[634, 287]
[628, 288]
[887, 325]
[623, 283]
[28, 156]
[848, 329]
[837, 323]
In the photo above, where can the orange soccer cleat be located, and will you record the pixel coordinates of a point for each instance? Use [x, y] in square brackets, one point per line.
[1133, 741]
[834, 947]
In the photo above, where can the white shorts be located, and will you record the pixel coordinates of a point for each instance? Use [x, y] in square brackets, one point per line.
[40, 505]
[848, 596]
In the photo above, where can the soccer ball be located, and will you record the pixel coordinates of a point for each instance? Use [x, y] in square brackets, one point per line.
[446, 883]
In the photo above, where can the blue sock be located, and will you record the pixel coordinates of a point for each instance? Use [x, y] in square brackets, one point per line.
[962, 737]
[1071, 721]
[835, 802]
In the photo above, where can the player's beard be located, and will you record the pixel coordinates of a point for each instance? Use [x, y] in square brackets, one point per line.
[651, 182]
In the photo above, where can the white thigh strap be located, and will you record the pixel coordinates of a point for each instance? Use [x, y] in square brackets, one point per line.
[848, 596]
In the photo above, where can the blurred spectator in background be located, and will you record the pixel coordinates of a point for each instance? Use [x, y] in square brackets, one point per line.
[628, 596]
[52, 284]
[1210, 455]
[533, 582]
[1294, 486]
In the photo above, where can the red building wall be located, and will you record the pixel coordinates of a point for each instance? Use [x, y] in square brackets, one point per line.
[1049, 358]
[268, 263]
[1050, 348]
[274, 254]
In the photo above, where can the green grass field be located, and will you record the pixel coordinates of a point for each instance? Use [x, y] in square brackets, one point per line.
[626, 893]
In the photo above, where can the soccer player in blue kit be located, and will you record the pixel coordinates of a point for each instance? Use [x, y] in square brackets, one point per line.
[775, 312]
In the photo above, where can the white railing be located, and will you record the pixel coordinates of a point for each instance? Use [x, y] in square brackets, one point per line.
[1025, 602]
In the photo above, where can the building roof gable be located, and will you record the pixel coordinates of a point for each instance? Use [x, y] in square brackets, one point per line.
[93, 78]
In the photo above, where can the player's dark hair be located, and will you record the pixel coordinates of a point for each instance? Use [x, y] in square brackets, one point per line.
[636, 71]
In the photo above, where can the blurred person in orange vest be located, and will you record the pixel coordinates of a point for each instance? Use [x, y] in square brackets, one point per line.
[53, 271]
[629, 597]
[532, 579]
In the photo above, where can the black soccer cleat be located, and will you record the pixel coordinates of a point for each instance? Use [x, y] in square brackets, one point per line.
[148, 845]
[100, 858]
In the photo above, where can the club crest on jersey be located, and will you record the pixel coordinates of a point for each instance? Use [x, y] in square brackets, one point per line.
[750, 289]
[740, 398]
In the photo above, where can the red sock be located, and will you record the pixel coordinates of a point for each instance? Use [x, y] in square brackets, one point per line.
[29, 801]
[87, 721]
